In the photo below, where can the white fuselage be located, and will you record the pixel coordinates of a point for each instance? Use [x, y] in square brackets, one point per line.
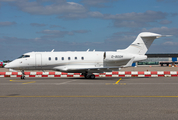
[73, 61]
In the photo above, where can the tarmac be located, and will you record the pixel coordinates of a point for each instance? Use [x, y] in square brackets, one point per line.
[86, 99]
[78, 98]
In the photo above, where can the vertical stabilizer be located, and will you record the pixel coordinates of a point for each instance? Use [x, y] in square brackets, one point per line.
[142, 43]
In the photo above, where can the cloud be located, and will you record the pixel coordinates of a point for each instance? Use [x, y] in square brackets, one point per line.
[148, 16]
[167, 0]
[60, 34]
[170, 43]
[54, 33]
[80, 31]
[97, 3]
[136, 19]
[164, 22]
[2, 24]
[96, 14]
[129, 20]
[72, 10]
[129, 24]
[7, 0]
[121, 40]
[57, 1]
[56, 26]
[37, 24]
[71, 16]
[163, 30]
[53, 8]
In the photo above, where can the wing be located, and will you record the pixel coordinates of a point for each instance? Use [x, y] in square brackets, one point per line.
[77, 69]
[91, 68]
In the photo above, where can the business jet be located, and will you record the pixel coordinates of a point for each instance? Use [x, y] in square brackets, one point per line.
[86, 62]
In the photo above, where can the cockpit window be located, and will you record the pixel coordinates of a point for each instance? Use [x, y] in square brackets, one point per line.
[24, 56]
[21, 56]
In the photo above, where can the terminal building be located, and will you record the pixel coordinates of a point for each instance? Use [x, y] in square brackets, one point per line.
[159, 59]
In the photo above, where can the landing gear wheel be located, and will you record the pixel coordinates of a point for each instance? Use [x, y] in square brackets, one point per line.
[92, 76]
[22, 77]
[87, 76]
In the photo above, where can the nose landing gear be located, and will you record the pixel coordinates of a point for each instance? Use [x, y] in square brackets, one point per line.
[23, 74]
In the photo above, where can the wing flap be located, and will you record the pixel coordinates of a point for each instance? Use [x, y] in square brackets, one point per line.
[84, 69]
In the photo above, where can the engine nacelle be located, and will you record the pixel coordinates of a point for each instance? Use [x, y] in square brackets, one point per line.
[115, 56]
[139, 58]
[116, 59]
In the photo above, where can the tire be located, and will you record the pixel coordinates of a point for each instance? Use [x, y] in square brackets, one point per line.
[92, 76]
[88, 76]
[22, 77]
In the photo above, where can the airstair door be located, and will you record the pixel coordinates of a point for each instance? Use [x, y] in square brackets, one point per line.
[38, 60]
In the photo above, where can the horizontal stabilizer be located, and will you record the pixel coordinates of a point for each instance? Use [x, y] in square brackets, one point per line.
[154, 35]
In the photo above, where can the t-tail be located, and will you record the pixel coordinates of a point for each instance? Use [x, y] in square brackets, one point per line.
[142, 43]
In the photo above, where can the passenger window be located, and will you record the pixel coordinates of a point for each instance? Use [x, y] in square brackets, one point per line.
[82, 58]
[62, 58]
[49, 58]
[68, 58]
[75, 58]
[56, 58]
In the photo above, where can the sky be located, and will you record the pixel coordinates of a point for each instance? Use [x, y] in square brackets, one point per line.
[78, 25]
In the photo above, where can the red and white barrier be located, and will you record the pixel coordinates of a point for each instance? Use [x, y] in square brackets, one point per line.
[107, 74]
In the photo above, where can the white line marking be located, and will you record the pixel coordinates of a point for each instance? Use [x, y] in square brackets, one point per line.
[65, 82]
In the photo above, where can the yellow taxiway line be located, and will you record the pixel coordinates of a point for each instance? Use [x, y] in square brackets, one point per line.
[23, 82]
[118, 81]
[90, 96]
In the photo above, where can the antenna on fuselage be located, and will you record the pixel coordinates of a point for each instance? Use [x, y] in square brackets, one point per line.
[88, 50]
[52, 50]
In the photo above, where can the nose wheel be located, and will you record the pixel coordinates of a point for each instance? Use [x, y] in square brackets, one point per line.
[23, 74]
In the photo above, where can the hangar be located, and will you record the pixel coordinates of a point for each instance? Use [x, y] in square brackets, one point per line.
[168, 59]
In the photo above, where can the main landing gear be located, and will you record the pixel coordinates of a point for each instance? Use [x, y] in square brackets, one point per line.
[89, 76]
[23, 74]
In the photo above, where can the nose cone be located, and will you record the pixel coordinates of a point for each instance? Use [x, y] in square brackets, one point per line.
[13, 65]
[10, 65]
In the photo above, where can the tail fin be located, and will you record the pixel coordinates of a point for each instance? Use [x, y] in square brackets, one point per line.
[142, 43]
